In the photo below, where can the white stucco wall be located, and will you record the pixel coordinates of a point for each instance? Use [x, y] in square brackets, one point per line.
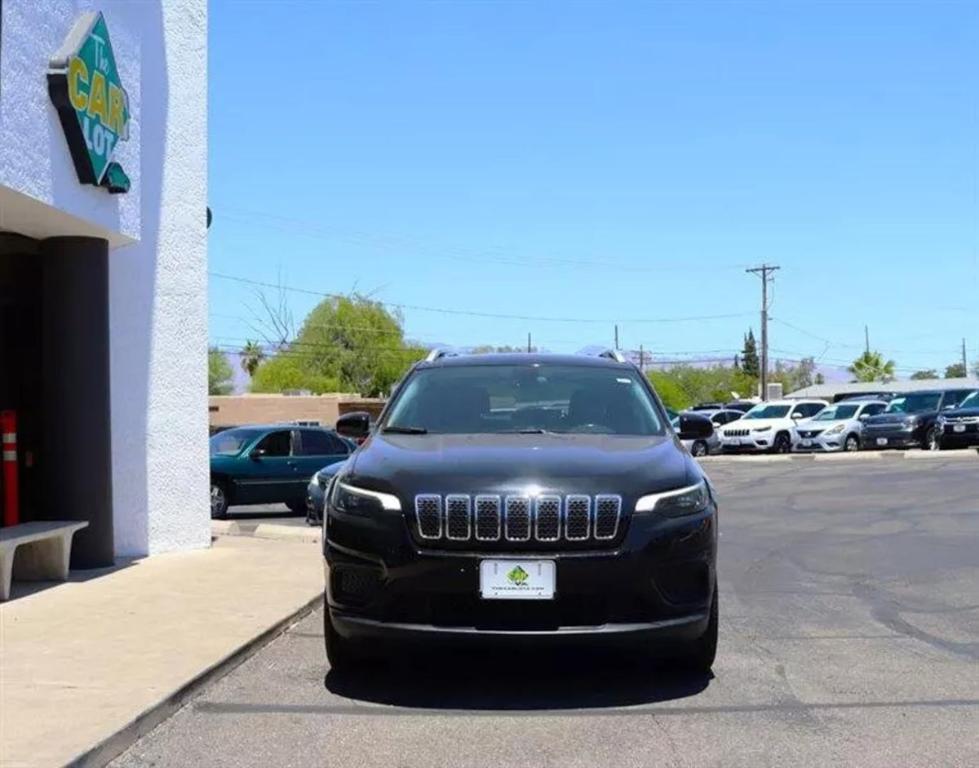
[158, 283]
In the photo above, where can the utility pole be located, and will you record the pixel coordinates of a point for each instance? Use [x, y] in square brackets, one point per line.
[642, 359]
[965, 362]
[616, 336]
[764, 271]
[866, 339]
[528, 342]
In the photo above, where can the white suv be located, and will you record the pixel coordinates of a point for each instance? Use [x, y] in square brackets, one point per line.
[836, 428]
[768, 426]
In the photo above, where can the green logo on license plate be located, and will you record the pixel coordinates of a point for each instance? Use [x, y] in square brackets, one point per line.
[518, 575]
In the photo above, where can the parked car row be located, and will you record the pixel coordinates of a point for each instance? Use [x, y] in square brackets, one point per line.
[928, 419]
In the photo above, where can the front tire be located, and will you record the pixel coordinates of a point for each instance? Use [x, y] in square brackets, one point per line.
[700, 658]
[782, 444]
[219, 500]
[932, 441]
[698, 449]
[852, 443]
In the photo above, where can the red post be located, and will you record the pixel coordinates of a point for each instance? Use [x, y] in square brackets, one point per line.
[8, 446]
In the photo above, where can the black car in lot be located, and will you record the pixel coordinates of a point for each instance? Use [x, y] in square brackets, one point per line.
[517, 499]
[911, 420]
[960, 426]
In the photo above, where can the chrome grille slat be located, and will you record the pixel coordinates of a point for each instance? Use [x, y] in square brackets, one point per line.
[577, 517]
[488, 518]
[547, 520]
[428, 512]
[458, 523]
[517, 519]
[608, 511]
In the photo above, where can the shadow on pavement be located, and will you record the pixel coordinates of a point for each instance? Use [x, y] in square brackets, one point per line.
[517, 679]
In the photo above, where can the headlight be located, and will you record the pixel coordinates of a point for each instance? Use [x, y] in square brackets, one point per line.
[761, 429]
[359, 501]
[836, 430]
[677, 503]
[942, 421]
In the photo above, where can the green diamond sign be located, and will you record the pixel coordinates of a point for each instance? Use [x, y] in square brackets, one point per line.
[86, 90]
[518, 575]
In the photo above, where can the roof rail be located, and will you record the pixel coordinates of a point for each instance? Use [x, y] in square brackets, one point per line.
[437, 354]
[613, 354]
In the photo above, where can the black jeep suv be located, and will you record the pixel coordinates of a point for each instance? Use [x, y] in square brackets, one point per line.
[521, 498]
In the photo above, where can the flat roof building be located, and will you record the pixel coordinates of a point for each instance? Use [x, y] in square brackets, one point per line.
[103, 269]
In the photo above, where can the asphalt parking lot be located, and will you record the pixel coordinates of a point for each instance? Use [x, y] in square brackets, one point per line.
[849, 636]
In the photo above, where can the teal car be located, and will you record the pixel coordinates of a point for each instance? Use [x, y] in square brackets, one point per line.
[270, 464]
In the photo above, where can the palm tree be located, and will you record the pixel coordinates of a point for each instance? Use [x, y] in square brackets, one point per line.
[252, 355]
[871, 366]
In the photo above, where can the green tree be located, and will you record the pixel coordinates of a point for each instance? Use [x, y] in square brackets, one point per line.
[871, 366]
[685, 385]
[820, 379]
[252, 356]
[955, 371]
[794, 377]
[348, 343]
[749, 355]
[219, 372]
[929, 373]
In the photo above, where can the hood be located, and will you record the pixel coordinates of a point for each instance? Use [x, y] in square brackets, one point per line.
[894, 418]
[823, 424]
[961, 413]
[406, 465]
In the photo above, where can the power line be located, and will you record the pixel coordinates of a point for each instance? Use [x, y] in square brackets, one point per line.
[474, 313]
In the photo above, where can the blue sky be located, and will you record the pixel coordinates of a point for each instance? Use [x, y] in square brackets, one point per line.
[587, 163]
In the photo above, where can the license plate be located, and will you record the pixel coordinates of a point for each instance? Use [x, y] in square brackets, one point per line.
[881, 441]
[807, 443]
[734, 441]
[517, 579]
[959, 428]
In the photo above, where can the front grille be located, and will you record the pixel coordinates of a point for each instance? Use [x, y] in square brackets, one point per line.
[810, 433]
[545, 518]
[962, 419]
[735, 433]
[457, 521]
[428, 510]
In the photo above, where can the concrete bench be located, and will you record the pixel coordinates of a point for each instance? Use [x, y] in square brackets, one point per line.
[45, 551]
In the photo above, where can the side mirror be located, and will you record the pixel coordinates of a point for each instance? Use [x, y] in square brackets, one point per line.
[798, 415]
[694, 428]
[355, 425]
[863, 416]
[257, 454]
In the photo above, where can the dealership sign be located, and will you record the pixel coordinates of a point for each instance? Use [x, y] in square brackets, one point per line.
[85, 88]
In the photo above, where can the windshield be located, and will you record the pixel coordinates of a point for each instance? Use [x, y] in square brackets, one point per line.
[524, 398]
[926, 401]
[972, 401]
[231, 442]
[838, 413]
[763, 411]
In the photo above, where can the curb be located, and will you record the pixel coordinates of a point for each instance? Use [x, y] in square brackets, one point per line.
[305, 533]
[110, 748]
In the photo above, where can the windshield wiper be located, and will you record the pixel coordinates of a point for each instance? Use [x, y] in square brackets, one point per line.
[406, 430]
[526, 431]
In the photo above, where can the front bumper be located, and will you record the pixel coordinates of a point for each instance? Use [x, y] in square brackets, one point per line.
[819, 444]
[968, 437]
[753, 442]
[656, 584]
[315, 498]
[892, 438]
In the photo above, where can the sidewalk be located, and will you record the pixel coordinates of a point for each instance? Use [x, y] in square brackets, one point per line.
[82, 661]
